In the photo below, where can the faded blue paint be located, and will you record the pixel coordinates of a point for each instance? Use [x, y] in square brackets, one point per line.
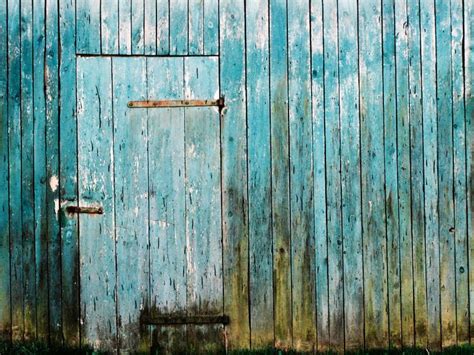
[334, 188]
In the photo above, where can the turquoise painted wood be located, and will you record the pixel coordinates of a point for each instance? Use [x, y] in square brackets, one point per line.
[52, 171]
[301, 176]
[403, 156]
[27, 168]
[40, 183]
[391, 174]
[14, 160]
[372, 175]
[68, 175]
[280, 181]
[327, 205]
[166, 161]
[5, 315]
[350, 177]
[259, 174]
[319, 166]
[430, 153]
[459, 174]
[445, 174]
[96, 186]
[203, 188]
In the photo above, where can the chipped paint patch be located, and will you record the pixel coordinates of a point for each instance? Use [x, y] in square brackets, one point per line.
[54, 183]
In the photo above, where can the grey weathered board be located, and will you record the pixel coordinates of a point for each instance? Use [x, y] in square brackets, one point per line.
[327, 206]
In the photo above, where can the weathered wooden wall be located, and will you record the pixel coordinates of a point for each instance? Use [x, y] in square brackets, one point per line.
[346, 149]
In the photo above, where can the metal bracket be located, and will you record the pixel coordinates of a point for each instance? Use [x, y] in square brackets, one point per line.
[83, 209]
[177, 103]
[181, 320]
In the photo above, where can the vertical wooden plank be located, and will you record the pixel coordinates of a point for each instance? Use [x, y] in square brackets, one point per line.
[234, 173]
[52, 171]
[259, 165]
[167, 202]
[95, 186]
[131, 205]
[445, 173]
[403, 156]
[68, 173]
[88, 26]
[178, 27]
[138, 26]
[211, 27]
[203, 188]
[40, 183]
[460, 188]
[109, 12]
[280, 160]
[391, 177]
[196, 26]
[5, 314]
[319, 161]
[14, 137]
[125, 26]
[430, 152]
[469, 101]
[332, 132]
[301, 177]
[350, 176]
[162, 27]
[373, 199]
[416, 179]
[27, 171]
[150, 27]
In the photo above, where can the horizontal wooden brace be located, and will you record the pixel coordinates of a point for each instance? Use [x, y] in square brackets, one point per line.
[176, 103]
[178, 320]
[86, 210]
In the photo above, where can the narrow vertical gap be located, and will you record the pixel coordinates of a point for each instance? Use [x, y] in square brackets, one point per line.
[341, 224]
[20, 29]
[247, 177]
[290, 251]
[410, 184]
[77, 192]
[169, 27]
[58, 130]
[33, 40]
[203, 27]
[437, 175]
[272, 232]
[130, 8]
[117, 319]
[423, 166]
[360, 169]
[185, 197]
[325, 171]
[187, 26]
[466, 165]
[382, 30]
[453, 165]
[101, 49]
[7, 57]
[397, 174]
[149, 305]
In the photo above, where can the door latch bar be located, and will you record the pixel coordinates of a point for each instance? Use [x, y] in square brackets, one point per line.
[176, 103]
[84, 209]
[179, 320]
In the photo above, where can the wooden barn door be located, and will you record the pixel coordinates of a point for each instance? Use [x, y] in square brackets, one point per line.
[149, 184]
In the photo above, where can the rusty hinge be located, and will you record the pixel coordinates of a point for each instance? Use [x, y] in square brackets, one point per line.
[84, 209]
[178, 320]
[176, 103]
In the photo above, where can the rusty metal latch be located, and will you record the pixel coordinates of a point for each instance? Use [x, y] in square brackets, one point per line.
[179, 320]
[84, 209]
[177, 103]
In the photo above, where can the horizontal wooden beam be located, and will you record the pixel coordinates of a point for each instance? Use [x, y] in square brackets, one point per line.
[176, 103]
